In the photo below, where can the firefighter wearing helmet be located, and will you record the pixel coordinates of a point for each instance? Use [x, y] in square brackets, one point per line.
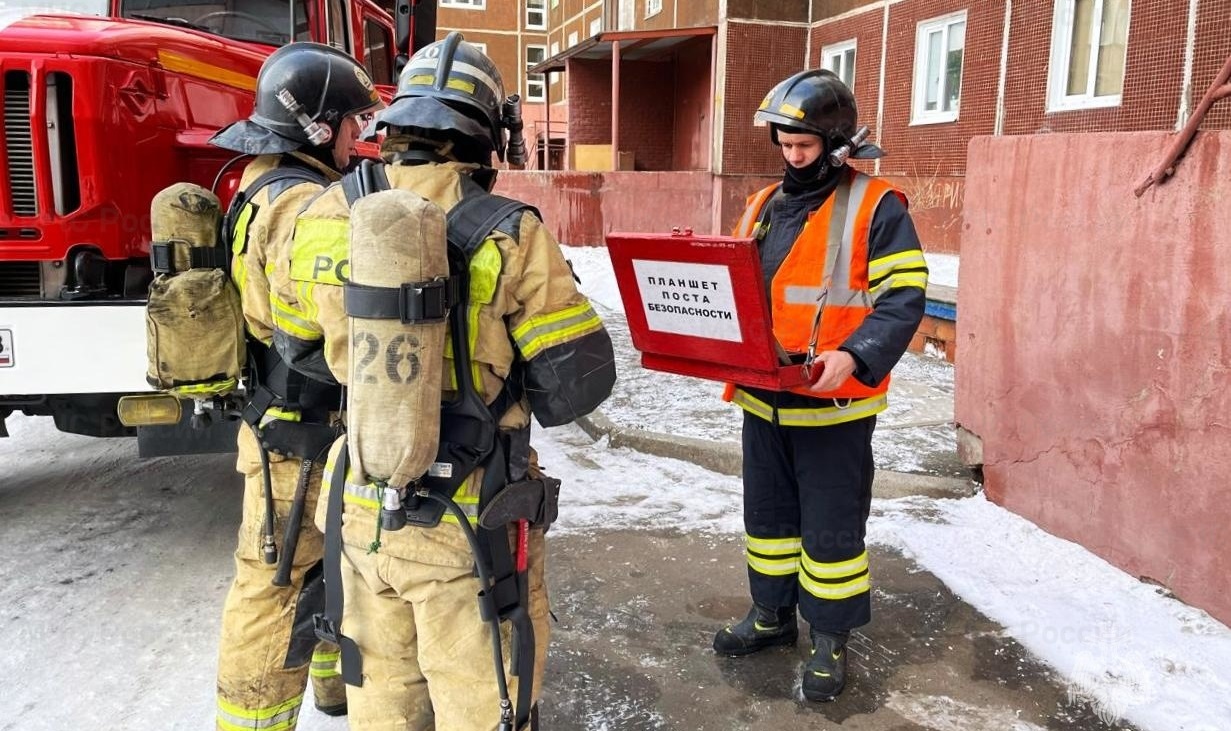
[311, 104]
[847, 278]
[467, 292]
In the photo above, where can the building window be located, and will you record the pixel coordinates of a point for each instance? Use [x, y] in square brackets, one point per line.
[572, 39]
[536, 84]
[467, 4]
[377, 52]
[479, 45]
[653, 7]
[596, 26]
[536, 14]
[1088, 45]
[840, 59]
[555, 49]
[939, 46]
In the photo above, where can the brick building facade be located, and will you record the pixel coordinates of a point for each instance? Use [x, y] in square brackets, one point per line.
[1000, 72]
[928, 77]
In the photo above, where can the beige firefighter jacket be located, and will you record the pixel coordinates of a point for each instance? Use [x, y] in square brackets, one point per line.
[522, 295]
[263, 224]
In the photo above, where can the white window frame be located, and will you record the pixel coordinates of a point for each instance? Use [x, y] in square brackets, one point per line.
[918, 114]
[1058, 98]
[555, 49]
[542, 13]
[539, 79]
[596, 26]
[479, 45]
[652, 8]
[572, 39]
[838, 51]
[464, 4]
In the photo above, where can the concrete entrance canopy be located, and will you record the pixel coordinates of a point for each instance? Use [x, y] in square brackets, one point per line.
[664, 78]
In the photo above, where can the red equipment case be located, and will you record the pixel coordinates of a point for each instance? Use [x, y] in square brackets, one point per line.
[696, 306]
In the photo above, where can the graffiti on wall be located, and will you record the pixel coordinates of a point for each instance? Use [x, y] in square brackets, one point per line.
[936, 207]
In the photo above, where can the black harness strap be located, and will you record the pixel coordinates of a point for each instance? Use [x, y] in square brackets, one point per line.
[328, 625]
[162, 257]
[413, 302]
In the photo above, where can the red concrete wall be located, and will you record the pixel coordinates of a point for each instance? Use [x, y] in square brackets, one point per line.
[582, 208]
[1095, 338]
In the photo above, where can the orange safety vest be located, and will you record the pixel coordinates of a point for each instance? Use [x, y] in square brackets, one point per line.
[813, 272]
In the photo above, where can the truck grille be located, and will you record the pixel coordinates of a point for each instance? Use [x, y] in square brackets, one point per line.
[18, 145]
[19, 279]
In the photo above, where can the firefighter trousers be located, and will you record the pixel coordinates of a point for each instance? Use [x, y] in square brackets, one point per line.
[807, 494]
[427, 655]
[268, 649]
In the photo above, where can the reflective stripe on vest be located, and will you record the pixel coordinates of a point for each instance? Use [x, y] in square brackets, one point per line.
[812, 275]
[239, 246]
[811, 416]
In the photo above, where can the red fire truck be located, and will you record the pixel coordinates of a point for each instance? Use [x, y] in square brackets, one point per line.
[107, 102]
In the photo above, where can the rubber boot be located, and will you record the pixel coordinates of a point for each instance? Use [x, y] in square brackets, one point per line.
[824, 676]
[763, 627]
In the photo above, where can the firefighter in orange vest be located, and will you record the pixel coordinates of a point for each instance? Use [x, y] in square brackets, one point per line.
[847, 281]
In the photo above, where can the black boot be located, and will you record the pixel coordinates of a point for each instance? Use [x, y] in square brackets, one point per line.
[762, 628]
[824, 676]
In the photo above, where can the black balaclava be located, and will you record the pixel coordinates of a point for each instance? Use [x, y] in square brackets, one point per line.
[799, 180]
[811, 176]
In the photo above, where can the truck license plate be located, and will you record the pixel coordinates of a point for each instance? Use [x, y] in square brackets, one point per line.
[6, 348]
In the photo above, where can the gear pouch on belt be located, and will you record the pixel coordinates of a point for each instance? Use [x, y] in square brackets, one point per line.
[534, 499]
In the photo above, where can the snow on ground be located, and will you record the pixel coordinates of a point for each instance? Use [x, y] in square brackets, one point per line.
[1140, 654]
[942, 268]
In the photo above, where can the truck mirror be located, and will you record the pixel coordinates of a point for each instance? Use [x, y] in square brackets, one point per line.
[414, 23]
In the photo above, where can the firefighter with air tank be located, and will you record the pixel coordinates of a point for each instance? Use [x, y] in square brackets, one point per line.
[454, 320]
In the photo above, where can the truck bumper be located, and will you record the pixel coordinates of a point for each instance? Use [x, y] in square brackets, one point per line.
[52, 348]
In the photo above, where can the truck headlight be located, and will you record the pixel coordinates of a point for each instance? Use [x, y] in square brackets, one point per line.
[149, 409]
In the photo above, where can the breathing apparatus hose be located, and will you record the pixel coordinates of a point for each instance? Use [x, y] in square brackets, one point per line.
[269, 549]
[488, 604]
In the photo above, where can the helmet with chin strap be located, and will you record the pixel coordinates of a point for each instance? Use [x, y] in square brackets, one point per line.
[303, 93]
